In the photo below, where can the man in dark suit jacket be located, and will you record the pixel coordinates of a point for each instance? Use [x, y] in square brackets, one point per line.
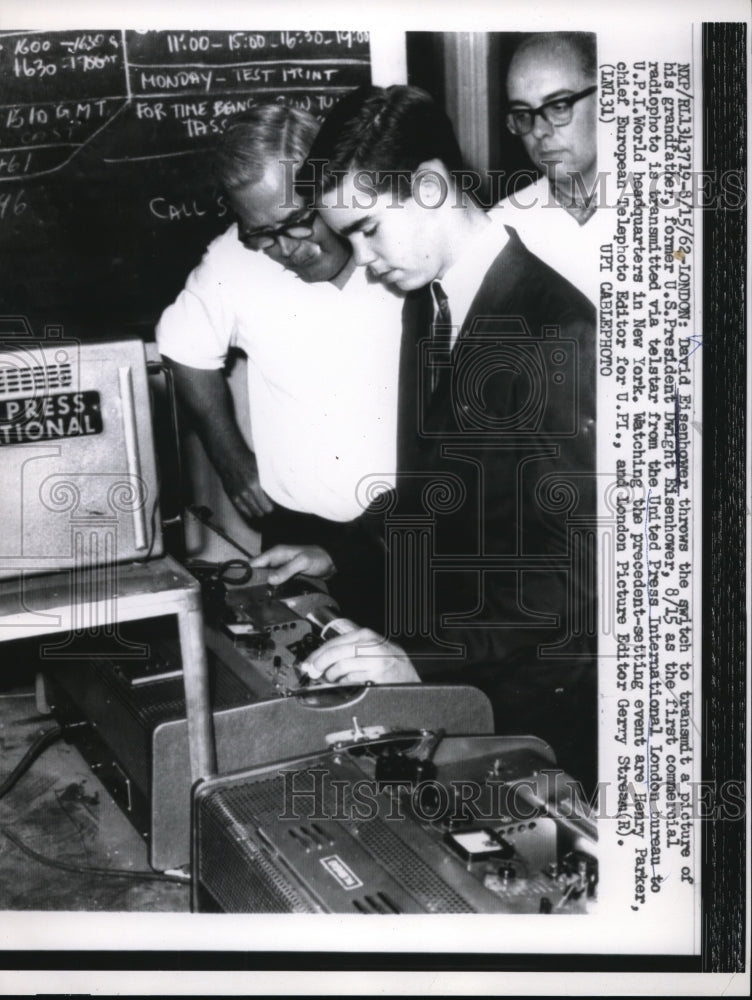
[490, 534]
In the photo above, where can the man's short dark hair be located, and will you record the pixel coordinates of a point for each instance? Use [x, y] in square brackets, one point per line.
[386, 132]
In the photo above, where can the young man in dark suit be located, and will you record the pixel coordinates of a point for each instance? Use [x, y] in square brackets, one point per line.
[490, 533]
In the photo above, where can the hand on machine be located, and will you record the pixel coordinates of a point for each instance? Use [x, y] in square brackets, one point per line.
[284, 626]
[348, 655]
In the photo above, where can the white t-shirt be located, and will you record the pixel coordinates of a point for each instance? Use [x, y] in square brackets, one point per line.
[552, 234]
[323, 369]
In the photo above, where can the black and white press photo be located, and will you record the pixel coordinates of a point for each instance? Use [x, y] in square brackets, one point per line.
[371, 567]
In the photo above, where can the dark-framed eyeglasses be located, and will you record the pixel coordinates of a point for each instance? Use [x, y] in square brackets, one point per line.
[295, 229]
[520, 121]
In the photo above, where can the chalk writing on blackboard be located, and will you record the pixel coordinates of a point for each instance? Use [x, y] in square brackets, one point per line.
[106, 196]
[156, 93]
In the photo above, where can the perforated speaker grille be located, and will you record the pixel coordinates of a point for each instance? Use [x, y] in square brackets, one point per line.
[237, 873]
[410, 870]
[237, 810]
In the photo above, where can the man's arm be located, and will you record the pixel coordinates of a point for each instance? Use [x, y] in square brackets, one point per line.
[206, 396]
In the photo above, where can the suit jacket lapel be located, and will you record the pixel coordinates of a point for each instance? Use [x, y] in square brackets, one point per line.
[417, 405]
[500, 283]
[497, 286]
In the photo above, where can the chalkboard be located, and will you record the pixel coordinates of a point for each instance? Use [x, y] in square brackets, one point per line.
[106, 201]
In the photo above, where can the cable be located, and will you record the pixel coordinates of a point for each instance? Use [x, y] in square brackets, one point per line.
[35, 750]
[204, 515]
[91, 870]
[244, 570]
[39, 745]
[153, 523]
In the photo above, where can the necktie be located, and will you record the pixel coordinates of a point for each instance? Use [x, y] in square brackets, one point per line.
[442, 333]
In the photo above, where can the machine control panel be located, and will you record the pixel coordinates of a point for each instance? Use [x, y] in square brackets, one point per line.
[265, 632]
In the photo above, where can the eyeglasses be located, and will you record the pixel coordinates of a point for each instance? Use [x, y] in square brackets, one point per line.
[520, 121]
[261, 239]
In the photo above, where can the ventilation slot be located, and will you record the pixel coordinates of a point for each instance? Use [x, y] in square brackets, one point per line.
[36, 378]
[380, 903]
[310, 838]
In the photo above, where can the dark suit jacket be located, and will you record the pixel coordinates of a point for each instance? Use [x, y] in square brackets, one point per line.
[489, 536]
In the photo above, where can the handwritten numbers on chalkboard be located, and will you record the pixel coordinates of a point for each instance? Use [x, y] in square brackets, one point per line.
[106, 201]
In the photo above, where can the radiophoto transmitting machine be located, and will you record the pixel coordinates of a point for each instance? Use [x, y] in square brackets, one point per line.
[383, 799]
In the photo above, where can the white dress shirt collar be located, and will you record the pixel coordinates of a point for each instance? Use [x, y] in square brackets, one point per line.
[463, 279]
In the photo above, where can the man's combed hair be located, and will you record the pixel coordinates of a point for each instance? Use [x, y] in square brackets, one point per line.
[385, 132]
[582, 43]
[258, 136]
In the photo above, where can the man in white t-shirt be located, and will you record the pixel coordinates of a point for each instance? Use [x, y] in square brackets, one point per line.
[322, 343]
[552, 106]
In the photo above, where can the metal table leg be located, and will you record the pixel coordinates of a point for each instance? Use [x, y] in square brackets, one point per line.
[197, 703]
